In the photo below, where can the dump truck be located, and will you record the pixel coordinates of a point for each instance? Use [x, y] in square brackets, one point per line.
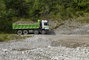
[25, 28]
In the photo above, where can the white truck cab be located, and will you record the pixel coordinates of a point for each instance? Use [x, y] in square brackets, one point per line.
[45, 25]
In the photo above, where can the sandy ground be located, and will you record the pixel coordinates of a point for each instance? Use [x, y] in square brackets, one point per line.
[71, 41]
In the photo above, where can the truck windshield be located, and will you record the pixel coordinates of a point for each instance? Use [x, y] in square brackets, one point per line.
[46, 23]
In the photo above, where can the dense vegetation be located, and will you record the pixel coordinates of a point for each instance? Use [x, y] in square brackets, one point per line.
[14, 10]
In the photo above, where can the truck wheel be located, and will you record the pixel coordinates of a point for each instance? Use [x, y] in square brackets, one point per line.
[19, 32]
[25, 32]
[36, 32]
[43, 32]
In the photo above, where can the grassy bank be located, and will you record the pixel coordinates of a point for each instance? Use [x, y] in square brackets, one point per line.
[7, 37]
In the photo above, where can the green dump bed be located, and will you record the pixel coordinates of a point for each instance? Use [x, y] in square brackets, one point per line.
[26, 26]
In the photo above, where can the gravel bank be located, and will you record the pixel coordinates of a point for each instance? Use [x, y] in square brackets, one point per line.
[73, 27]
[39, 47]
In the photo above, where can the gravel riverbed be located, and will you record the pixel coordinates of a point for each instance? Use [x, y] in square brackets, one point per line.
[65, 44]
[39, 47]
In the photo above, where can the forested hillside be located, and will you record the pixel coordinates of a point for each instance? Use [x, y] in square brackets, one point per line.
[15, 10]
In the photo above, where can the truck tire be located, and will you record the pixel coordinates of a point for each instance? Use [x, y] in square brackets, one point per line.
[43, 32]
[36, 31]
[19, 32]
[25, 32]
